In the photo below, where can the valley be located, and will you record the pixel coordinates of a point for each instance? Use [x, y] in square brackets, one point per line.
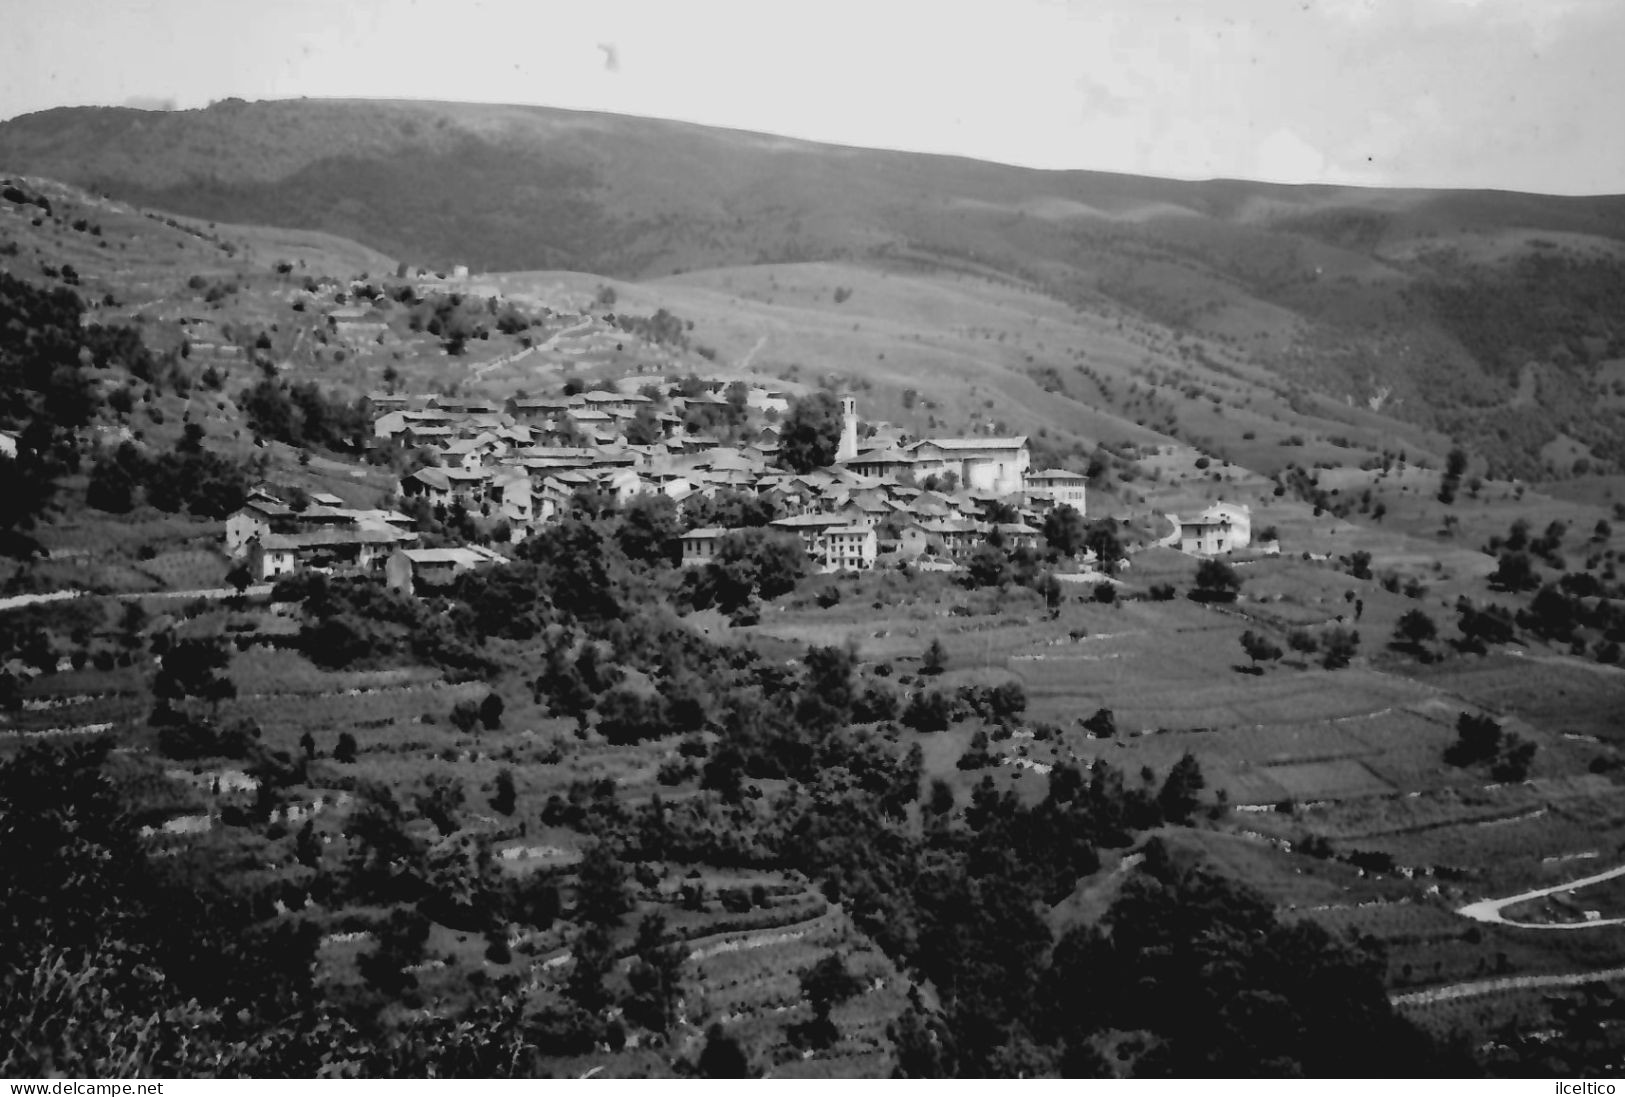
[603, 799]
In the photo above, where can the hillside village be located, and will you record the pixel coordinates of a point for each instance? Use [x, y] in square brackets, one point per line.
[458, 629]
[887, 498]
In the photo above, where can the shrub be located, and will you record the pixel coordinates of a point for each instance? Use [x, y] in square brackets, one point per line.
[1339, 645]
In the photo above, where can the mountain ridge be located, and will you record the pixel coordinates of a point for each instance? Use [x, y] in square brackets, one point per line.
[1433, 305]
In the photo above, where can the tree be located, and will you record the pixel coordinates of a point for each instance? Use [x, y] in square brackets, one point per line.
[1338, 646]
[1216, 581]
[491, 711]
[1102, 724]
[1360, 564]
[1050, 588]
[504, 797]
[1516, 757]
[627, 715]
[1480, 627]
[1260, 648]
[465, 714]
[724, 773]
[111, 487]
[1103, 543]
[592, 958]
[1455, 464]
[928, 710]
[650, 530]
[811, 434]
[439, 801]
[935, 659]
[755, 562]
[1065, 530]
[192, 669]
[1181, 791]
[1478, 739]
[1414, 629]
[345, 751]
[988, 566]
[601, 898]
[644, 429]
[825, 985]
[722, 1056]
[655, 976]
[1514, 572]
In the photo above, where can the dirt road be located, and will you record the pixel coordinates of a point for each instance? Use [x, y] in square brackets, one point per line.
[1489, 910]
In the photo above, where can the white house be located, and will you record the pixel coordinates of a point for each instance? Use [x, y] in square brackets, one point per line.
[850, 548]
[1221, 528]
[1060, 486]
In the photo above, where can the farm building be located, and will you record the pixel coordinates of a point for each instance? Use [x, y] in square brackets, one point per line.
[272, 555]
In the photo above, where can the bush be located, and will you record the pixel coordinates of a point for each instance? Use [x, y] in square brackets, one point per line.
[1339, 645]
[464, 715]
[928, 710]
[1216, 581]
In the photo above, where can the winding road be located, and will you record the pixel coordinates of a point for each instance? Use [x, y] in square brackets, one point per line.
[1489, 910]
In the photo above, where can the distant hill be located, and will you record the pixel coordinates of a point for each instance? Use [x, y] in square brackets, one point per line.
[1496, 317]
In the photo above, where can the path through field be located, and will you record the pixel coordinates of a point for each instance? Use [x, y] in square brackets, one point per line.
[17, 601]
[1489, 910]
[214, 594]
[1512, 982]
[750, 355]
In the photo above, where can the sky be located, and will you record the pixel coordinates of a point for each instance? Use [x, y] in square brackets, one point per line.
[1509, 94]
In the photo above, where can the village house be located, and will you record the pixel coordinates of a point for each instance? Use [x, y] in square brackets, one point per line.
[1018, 535]
[1060, 486]
[849, 548]
[1220, 529]
[883, 463]
[811, 528]
[336, 550]
[956, 535]
[700, 545]
[474, 453]
[260, 515]
[511, 494]
[411, 571]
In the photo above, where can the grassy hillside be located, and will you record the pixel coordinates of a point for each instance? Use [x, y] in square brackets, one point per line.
[1492, 317]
